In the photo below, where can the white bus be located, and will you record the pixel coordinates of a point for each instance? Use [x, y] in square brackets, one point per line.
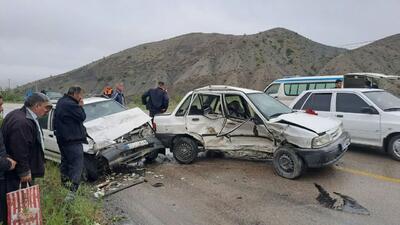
[287, 89]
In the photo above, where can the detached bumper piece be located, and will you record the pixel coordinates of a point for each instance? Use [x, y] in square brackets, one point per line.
[131, 151]
[327, 155]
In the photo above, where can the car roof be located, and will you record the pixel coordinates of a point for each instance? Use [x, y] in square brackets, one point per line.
[90, 100]
[309, 78]
[225, 88]
[361, 90]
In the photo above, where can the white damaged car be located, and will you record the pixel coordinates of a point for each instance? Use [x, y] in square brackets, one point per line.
[117, 136]
[243, 122]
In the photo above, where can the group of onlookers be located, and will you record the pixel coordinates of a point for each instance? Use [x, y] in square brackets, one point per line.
[22, 143]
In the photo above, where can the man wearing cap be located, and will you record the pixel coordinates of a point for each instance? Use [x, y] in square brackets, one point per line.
[23, 140]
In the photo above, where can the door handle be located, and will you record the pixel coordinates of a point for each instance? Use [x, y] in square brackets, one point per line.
[340, 116]
[50, 135]
[195, 119]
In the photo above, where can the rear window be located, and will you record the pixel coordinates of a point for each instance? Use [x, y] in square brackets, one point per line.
[300, 103]
[319, 102]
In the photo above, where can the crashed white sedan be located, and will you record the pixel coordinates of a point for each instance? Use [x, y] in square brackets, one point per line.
[249, 123]
[117, 136]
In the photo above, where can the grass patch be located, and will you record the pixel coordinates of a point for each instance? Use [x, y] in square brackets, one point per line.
[85, 210]
[11, 96]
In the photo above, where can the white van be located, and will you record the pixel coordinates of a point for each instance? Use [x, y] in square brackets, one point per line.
[287, 89]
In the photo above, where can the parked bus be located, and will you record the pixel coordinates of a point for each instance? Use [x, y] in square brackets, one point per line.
[287, 89]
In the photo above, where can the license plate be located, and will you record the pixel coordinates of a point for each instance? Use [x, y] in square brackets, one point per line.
[137, 144]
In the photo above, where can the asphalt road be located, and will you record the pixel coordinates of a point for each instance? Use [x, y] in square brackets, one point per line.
[231, 191]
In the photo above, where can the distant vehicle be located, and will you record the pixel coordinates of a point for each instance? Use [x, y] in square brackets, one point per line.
[118, 136]
[237, 121]
[53, 96]
[371, 116]
[287, 89]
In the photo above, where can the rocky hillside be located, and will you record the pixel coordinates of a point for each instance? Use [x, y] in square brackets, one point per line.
[382, 56]
[252, 61]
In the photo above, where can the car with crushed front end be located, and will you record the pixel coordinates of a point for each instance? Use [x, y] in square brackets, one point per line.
[250, 124]
[116, 136]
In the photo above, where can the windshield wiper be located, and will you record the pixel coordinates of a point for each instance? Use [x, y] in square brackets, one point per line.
[391, 109]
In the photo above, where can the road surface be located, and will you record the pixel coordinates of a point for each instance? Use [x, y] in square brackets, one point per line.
[231, 191]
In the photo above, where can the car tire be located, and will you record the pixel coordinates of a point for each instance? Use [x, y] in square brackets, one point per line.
[394, 147]
[288, 164]
[90, 168]
[185, 150]
[151, 156]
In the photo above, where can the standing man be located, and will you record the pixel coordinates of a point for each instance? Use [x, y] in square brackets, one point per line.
[156, 99]
[6, 164]
[338, 83]
[23, 139]
[71, 134]
[119, 94]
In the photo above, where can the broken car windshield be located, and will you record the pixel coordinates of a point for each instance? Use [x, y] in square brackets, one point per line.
[99, 109]
[268, 106]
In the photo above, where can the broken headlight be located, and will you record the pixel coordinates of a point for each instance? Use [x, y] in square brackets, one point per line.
[321, 141]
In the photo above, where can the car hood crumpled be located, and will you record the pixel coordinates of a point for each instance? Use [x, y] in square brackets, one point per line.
[108, 128]
[311, 122]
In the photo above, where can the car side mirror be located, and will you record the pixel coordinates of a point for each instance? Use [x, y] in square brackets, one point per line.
[369, 110]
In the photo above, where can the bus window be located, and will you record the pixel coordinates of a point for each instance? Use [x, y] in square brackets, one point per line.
[311, 86]
[272, 89]
[294, 89]
[287, 89]
[330, 85]
[302, 87]
[320, 86]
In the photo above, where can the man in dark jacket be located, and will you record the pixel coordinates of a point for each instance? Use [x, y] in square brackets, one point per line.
[23, 139]
[156, 99]
[71, 134]
[6, 164]
[118, 95]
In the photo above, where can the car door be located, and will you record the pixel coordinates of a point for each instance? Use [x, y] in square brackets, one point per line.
[51, 150]
[320, 103]
[244, 130]
[205, 118]
[364, 127]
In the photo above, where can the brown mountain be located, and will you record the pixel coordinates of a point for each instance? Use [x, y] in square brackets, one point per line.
[197, 59]
[382, 56]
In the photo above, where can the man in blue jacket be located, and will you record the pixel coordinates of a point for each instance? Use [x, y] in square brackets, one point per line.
[71, 134]
[6, 164]
[156, 99]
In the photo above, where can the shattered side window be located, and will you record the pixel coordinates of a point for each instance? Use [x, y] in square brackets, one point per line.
[236, 107]
[182, 110]
[203, 102]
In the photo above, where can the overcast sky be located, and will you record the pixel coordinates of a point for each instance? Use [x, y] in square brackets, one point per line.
[49, 37]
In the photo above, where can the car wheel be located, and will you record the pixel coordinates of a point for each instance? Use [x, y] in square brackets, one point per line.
[394, 147]
[288, 164]
[151, 156]
[90, 170]
[185, 150]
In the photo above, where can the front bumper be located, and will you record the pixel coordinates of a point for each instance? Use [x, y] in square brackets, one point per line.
[131, 151]
[326, 155]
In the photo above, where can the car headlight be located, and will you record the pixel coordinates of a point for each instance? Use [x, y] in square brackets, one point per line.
[321, 141]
